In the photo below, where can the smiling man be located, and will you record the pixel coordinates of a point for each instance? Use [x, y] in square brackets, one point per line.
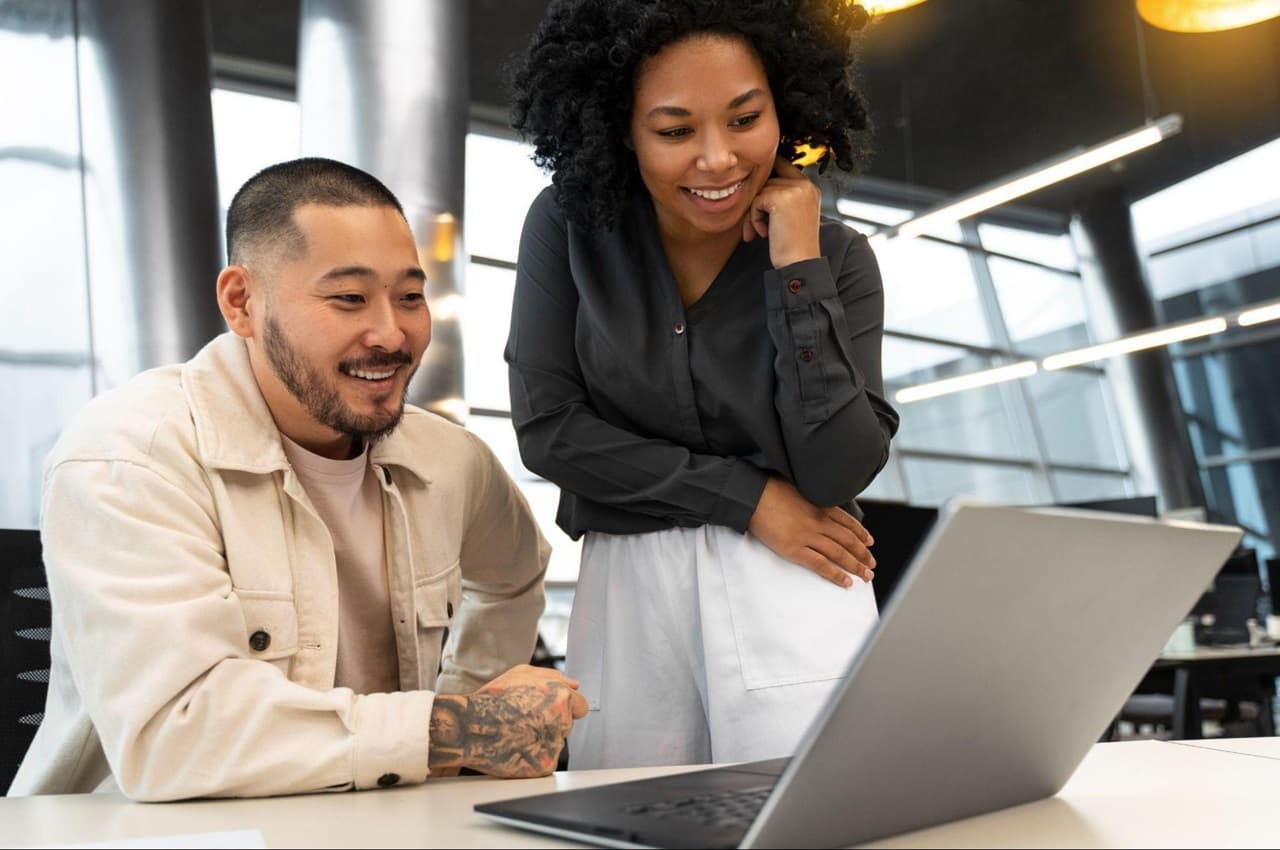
[255, 557]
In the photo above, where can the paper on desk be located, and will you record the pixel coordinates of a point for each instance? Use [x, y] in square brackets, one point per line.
[238, 839]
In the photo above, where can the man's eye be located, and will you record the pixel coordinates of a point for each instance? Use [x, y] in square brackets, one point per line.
[415, 297]
[348, 298]
[675, 133]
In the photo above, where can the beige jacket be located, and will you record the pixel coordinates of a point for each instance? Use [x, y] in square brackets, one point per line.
[195, 595]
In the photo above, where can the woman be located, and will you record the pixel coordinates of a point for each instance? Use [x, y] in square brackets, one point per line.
[695, 361]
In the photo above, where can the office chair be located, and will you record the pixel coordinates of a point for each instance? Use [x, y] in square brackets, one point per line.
[898, 529]
[24, 646]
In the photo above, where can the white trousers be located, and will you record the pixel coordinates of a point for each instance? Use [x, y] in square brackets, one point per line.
[699, 645]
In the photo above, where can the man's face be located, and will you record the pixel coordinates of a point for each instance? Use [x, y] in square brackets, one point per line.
[340, 330]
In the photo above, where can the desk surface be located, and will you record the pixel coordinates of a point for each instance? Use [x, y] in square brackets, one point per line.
[1135, 794]
[1221, 653]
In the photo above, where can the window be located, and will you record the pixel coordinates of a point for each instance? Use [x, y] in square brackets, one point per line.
[1212, 244]
[46, 356]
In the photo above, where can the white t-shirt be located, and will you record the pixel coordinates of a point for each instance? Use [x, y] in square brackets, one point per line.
[347, 496]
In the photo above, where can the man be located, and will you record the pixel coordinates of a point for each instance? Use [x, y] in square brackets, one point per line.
[254, 556]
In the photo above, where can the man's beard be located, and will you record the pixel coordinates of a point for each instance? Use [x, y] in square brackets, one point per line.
[320, 398]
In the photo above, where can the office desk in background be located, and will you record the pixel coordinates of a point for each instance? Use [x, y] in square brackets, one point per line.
[1191, 675]
[1136, 794]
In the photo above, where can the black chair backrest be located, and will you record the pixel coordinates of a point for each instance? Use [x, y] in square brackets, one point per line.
[25, 618]
[898, 529]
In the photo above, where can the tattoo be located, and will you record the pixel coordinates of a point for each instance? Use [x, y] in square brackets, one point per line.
[516, 731]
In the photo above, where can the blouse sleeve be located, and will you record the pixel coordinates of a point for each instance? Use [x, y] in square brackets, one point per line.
[836, 423]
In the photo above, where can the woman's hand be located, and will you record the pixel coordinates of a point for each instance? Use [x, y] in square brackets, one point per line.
[786, 213]
[827, 541]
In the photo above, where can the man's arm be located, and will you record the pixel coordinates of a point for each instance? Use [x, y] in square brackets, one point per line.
[157, 645]
[503, 560]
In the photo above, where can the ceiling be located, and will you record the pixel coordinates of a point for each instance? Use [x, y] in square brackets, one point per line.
[965, 91]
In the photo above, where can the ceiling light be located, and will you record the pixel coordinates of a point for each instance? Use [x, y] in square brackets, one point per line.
[966, 382]
[1206, 15]
[1137, 342]
[1037, 177]
[1259, 315]
[884, 7]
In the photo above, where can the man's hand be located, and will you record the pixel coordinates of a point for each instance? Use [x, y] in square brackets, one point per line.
[513, 727]
[825, 540]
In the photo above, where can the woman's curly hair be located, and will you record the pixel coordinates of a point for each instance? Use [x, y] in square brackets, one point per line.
[574, 89]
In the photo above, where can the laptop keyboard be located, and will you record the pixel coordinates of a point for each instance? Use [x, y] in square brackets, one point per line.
[722, 810]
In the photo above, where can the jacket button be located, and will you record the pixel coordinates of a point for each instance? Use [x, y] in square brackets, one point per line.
[448, 609]
[386, 780]
[679, 328]
[259, 641]
[806, 354]
[794, 285]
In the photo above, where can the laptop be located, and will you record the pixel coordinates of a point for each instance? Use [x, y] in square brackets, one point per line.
[1013, 639]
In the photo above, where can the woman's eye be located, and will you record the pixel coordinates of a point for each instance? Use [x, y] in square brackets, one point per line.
[745, 120]
[675, 133]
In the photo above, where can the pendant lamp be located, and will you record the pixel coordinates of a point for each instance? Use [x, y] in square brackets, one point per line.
[884, 7]
[1205, 15]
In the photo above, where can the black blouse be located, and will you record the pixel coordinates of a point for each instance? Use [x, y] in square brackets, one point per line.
[650, 415]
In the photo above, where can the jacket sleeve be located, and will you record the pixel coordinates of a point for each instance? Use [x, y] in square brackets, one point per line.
[504, 558]
[156, 642]
[830, 399]
[562, 437]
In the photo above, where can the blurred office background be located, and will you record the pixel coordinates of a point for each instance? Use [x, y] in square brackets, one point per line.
[126, 126]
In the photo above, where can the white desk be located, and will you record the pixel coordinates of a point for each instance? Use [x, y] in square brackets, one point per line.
[1136, 794]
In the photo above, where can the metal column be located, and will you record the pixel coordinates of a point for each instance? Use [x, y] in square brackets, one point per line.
[150, 187]
[383, 85]
[1147, 401]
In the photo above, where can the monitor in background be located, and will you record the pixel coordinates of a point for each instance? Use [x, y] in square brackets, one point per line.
[1137, 505]
[898, 529]
[1273, 583]
[1237, 588]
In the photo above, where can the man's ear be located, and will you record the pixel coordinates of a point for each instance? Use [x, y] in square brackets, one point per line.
[234, 296]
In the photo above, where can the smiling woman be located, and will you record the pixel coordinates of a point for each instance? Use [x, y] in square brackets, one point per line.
[695, 361]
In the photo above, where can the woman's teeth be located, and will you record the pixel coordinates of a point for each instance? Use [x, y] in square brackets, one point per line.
[717, 194]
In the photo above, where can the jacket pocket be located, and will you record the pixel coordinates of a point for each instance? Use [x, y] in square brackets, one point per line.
[270, 622]
[436, 602]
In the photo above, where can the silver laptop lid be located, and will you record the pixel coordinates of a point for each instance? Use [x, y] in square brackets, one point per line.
[1013, 640]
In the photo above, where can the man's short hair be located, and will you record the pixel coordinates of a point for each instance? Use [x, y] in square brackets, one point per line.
[261, 213]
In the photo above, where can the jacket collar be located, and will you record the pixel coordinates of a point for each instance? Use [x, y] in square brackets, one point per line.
[234, 428]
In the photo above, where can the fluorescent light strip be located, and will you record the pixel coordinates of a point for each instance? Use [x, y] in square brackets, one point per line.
[1258, 316]
[1080, 356]
[1038, 177]
[1137, 342]
[966, 382]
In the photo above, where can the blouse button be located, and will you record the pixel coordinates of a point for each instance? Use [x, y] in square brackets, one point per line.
[806, 354]
[679, 328]
[794, 285]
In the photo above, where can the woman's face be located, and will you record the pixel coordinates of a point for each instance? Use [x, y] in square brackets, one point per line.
[704, 131]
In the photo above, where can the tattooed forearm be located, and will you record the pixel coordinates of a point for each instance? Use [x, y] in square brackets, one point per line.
[446, 730]
[514, 731]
